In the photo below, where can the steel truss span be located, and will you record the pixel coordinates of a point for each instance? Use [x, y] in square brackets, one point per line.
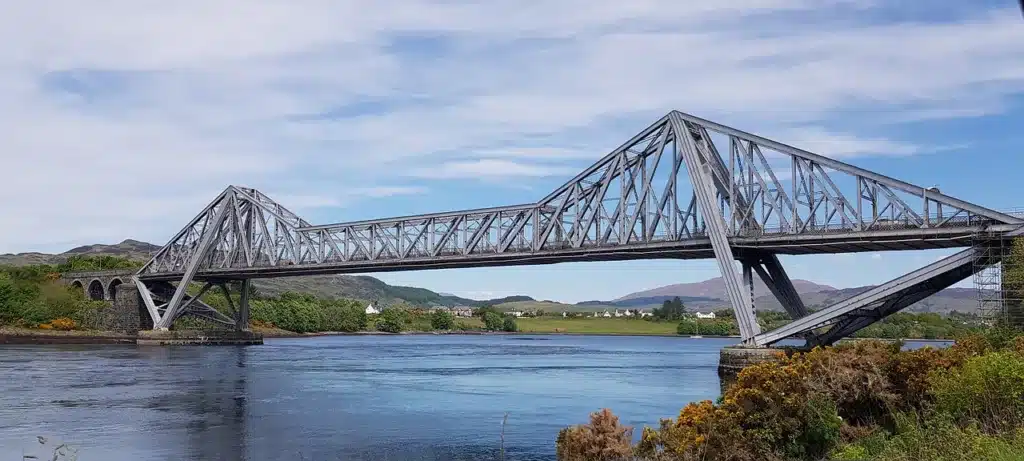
[682, 188]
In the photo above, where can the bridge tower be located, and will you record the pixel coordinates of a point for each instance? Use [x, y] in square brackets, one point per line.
[683, 188]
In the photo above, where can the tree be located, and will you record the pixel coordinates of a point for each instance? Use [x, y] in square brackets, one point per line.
[392, 320]
[670, 310]
[492, 321]
[509, 325]
[1013, 285]
[481, 312]
[442, 320]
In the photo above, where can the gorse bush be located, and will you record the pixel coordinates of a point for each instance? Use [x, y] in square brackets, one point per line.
[865, 400]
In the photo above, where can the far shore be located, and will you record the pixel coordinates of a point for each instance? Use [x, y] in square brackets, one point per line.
[9, 335]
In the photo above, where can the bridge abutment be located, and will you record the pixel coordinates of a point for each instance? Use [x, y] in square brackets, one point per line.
[733, 359]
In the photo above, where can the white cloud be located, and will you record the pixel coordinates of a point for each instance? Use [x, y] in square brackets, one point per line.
[491, 168]
[122, 119]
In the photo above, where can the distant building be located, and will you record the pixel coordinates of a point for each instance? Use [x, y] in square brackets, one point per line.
[565, 314]
[462, 311]
[606, 314]
[516, 313]
[370, 310]
[709, 315]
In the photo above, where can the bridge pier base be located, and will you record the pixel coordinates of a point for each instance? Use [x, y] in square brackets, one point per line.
[198, 338]
[733, 359]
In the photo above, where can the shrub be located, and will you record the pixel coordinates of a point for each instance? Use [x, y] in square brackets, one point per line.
[603, 439]
[493, 321]
[936, 440]
[64, 324]
[392, 320]
[988, 389]
[442, 320]
[509, 325]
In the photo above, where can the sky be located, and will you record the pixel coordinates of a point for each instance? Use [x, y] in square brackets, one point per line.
[122, 119]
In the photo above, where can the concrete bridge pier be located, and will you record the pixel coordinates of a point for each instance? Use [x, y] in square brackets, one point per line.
[733, 359]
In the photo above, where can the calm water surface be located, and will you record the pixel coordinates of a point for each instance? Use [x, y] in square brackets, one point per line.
[343, 397]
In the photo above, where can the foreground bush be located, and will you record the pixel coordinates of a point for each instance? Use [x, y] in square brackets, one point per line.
[865, 400]
[604, 439]
[988, 390]
[936, 440]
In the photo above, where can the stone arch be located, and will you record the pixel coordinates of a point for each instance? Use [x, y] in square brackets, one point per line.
[96, 290]
[112, 288]
[77, 287]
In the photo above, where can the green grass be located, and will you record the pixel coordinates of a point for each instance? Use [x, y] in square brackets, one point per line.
[595, 326]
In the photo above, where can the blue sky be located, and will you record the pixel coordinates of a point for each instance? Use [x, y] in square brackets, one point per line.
[123, 120]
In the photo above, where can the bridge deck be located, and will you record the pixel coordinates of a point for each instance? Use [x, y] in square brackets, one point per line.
[695, 248]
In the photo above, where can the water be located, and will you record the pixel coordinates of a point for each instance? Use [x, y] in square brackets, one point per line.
[343, 397]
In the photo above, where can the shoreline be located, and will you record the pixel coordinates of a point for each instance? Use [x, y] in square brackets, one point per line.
[24, 336]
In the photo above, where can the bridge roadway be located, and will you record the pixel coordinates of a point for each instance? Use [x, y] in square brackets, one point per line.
[683, 188]
[836, 241]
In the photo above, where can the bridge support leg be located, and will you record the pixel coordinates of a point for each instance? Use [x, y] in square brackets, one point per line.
[769, 268]
[699, 166]
[849, 316]
[242, 314]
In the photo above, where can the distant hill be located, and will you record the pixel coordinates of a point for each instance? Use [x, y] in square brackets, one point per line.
[131, 249]
[339, 286]
[709, 294]
[715, 289]
[651, 301]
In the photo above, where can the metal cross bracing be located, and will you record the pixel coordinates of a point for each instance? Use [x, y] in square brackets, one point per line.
[683, 188]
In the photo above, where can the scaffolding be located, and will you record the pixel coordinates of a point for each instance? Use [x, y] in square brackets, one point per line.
[1000, 286]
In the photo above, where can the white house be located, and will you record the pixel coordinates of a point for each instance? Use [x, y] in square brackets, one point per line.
[709, 315]
[516, 314]
[370, 310]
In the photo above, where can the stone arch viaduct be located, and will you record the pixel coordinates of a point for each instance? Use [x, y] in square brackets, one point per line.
[98, 285]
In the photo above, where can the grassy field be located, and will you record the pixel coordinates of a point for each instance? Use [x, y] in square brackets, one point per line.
[595, 326]
[557, 308]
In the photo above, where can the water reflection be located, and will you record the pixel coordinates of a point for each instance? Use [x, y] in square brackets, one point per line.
[352, 398]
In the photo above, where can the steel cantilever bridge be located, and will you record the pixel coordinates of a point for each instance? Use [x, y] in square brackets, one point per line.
[684, 188]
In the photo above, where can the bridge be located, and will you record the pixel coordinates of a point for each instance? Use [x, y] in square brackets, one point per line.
[683, 188]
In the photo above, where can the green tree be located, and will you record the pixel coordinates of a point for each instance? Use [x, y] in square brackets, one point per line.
[1013, 285]
[392, 320]
[442, 320]
[509, 325]
[670, 310]
[492, 321]
[481, 312]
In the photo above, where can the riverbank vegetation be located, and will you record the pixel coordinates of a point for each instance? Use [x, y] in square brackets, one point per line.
[33, 297]
[868, 400]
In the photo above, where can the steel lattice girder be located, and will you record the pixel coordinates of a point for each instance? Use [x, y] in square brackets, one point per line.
[650, 198]
[850, 315]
